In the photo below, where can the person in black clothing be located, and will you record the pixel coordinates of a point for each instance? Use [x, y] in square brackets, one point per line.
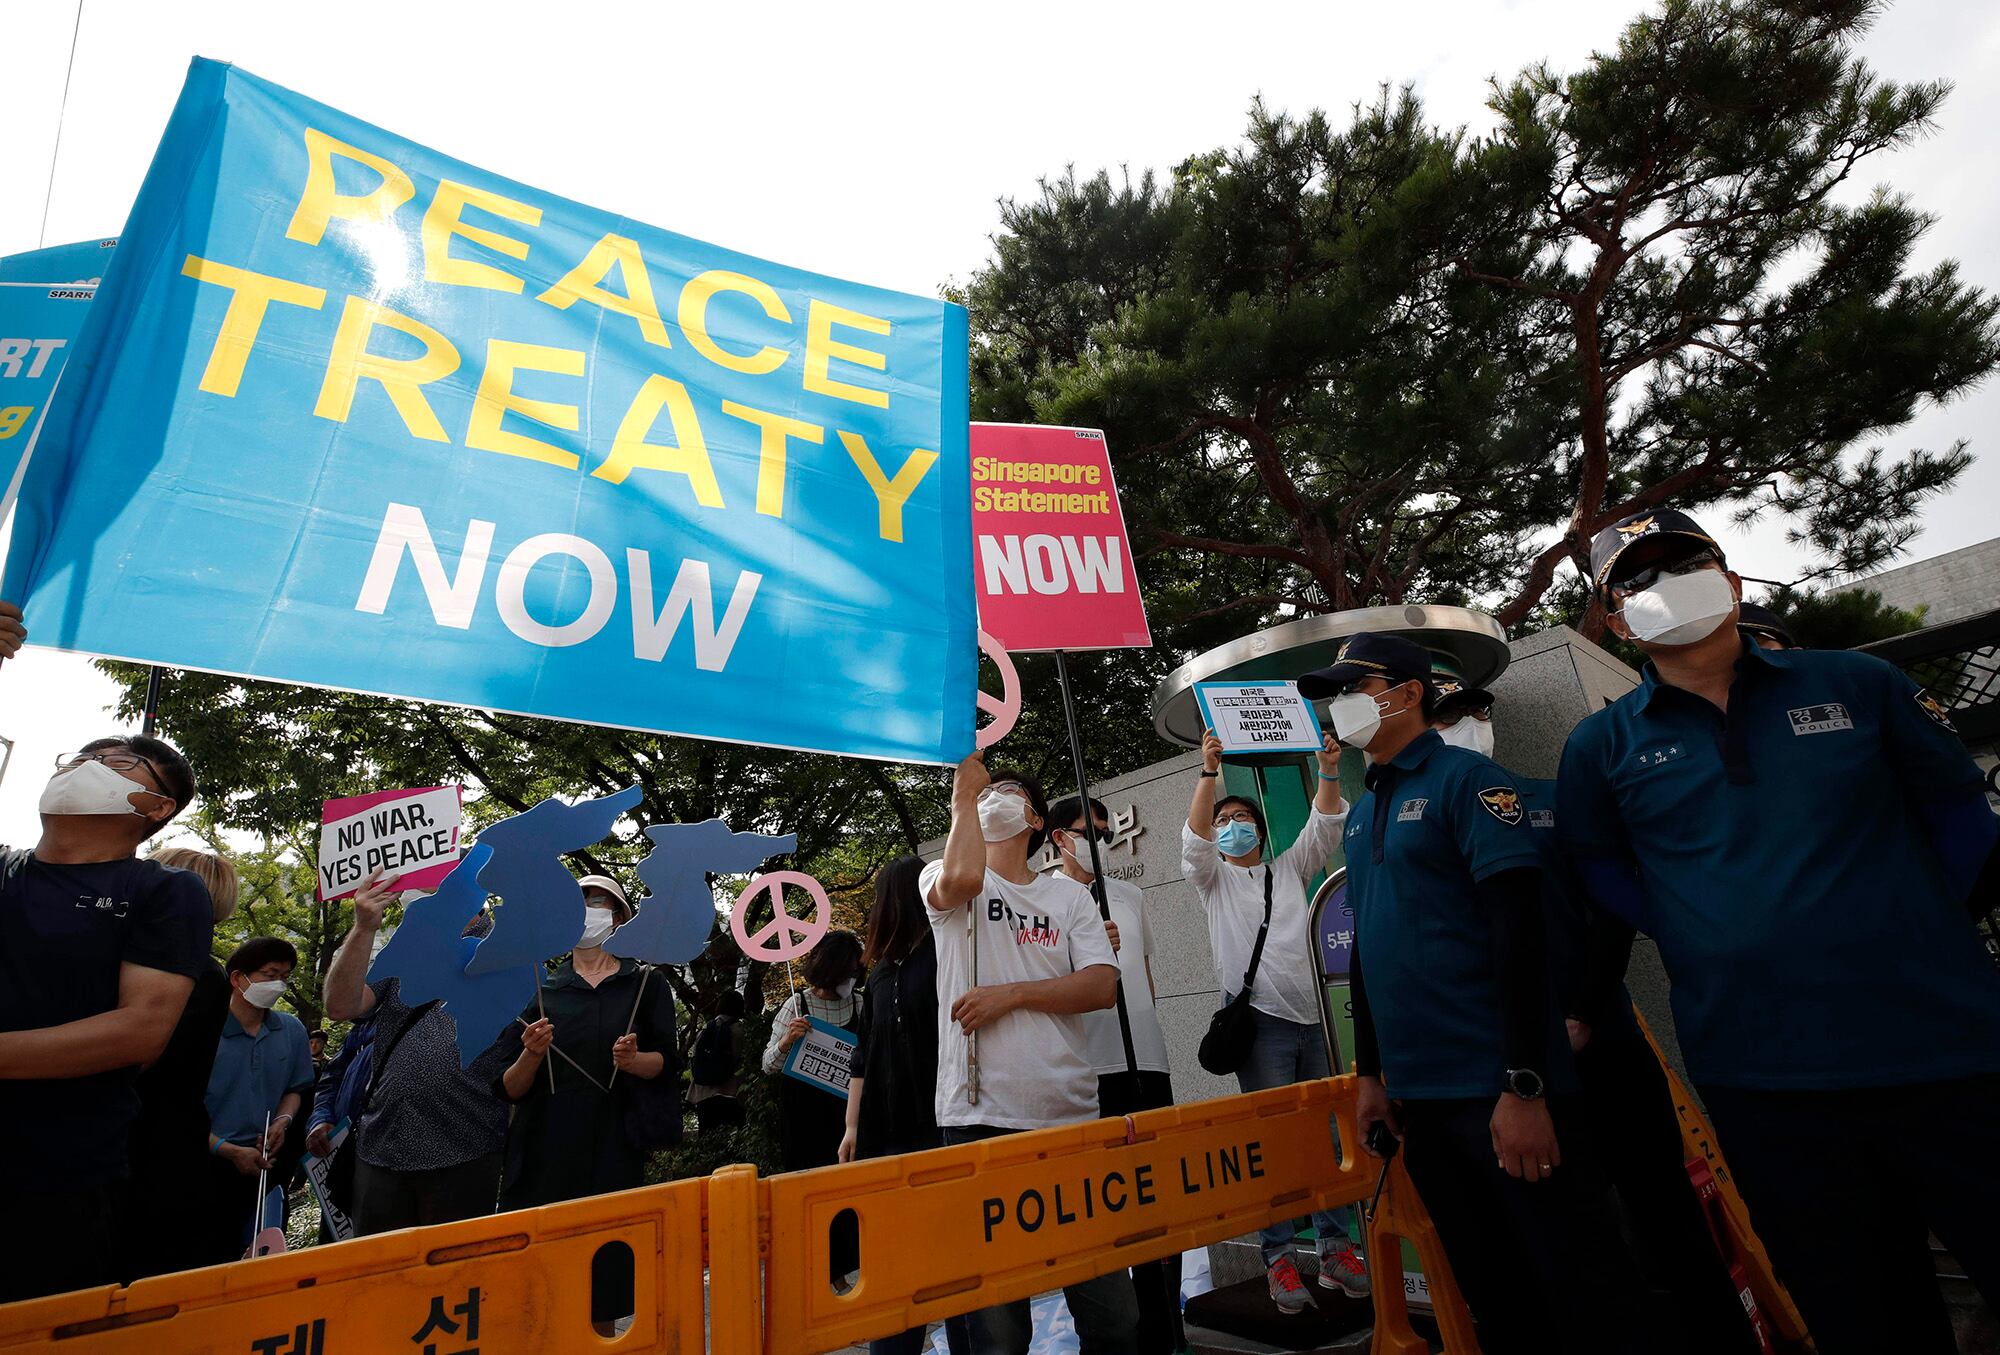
[892, 1091]
[600, 1033]
[715, 1072]
[170, 1158]
[811, 1120]
[98, 954]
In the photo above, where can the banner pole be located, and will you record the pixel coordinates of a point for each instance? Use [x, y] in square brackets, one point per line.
[151, 721]
[1096, 864]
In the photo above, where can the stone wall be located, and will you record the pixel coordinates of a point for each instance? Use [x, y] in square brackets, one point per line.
[1950, 587]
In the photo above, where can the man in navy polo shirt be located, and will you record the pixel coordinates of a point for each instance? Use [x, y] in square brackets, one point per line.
[1626, 1100]
[1802, 833]
[98, 953]
[1455, 1018]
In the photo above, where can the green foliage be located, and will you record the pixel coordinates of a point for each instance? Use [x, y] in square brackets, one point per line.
[1842, 620]
[1344, 366]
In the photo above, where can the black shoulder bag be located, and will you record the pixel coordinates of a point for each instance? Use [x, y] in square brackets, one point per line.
[1226, 1047]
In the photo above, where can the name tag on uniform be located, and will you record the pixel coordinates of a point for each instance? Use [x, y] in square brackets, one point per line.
[1654, 757]
[1541, 818]
[1412, 811]
[1818, 719]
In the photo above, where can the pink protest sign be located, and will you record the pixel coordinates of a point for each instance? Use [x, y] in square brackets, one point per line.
[1047, 529]
[408, 833]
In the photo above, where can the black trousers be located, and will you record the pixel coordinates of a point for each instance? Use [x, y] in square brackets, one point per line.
[386, 1200]
[1157, 1283]
[61, 1240]
[1542, 1265]
[1844, 1187]
[1630, 1110]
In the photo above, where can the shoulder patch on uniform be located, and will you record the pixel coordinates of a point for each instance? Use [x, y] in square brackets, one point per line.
[1935, 709]
[1503, 803]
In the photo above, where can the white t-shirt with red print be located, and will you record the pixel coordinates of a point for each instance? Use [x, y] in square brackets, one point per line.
[1034, 1067]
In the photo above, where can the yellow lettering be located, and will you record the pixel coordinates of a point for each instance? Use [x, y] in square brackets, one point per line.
[777, 428]
[630, 451]
[496, 400]
[321, 202]
[402, 378]
[694, 321]
[890, 495]
[250, 295]
[441, 222]
[822, 347]
[581, 284]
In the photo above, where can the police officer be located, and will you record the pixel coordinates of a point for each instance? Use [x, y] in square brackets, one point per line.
[1626, 1100]
[1801, 832]
[1455, 1018]
[1765, 627]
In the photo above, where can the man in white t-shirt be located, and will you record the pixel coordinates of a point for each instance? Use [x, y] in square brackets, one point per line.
[1225, 855]
[1020, 957]
[1120, 1089]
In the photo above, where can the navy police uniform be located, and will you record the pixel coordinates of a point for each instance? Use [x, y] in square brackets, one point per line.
[1793, 857]
[1429, 847]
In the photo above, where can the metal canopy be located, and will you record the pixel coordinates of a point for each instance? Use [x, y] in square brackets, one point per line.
[1470, 642]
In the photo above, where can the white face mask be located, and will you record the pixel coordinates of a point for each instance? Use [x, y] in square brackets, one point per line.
[90, 788]
[265, 994]
[598, 925]
[1681, 608]
[1002, 815]
[1355, 718]
[846, 990]
[1476, 735]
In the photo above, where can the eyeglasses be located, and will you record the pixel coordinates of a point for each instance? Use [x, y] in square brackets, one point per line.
[1082, 833]
[1483, 714]
[1643, 579]
[1236, 816]
[117, 759]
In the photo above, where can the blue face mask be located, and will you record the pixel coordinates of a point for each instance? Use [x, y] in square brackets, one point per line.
[1237, 838]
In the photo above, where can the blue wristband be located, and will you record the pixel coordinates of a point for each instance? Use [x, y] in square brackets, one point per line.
[1324, 777]
[215, 1149]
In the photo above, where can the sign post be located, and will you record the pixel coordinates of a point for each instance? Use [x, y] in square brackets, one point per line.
[1047, 528]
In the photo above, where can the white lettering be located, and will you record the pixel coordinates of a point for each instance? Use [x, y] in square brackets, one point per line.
[510, 593]
[652, 634]
[1094, 563]
[452, 601]
[1046, 572]
[1005, 570]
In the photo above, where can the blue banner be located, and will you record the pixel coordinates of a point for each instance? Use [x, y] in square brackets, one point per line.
[348, 412]
[78, 265]
[44, 295]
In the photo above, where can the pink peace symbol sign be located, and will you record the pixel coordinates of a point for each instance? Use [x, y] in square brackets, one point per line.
[784, 937]
[1004, 708]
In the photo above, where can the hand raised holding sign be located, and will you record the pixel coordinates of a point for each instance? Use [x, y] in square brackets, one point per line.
[13, 634]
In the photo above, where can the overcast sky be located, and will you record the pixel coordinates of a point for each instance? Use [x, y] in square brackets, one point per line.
[869, 142]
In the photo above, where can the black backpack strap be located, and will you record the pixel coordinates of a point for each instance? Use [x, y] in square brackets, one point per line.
[1263, 934]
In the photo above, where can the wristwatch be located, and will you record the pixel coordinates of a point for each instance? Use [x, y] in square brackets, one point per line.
[1525, 1083]
[1206, 774]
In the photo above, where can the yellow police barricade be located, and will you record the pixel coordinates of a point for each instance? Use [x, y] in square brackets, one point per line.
[955, 1229]
[1698, 1141]
[502, 1284]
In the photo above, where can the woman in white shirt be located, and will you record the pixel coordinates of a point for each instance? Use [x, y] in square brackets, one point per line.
[1223, 856]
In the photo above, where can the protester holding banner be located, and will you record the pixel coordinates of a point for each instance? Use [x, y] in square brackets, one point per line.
[1021, 958]
[1223, 849]
[602, 1027]
[98, 953]
[170, 1159]
[811, 1120]
[256, 1095]
[429, 1139]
